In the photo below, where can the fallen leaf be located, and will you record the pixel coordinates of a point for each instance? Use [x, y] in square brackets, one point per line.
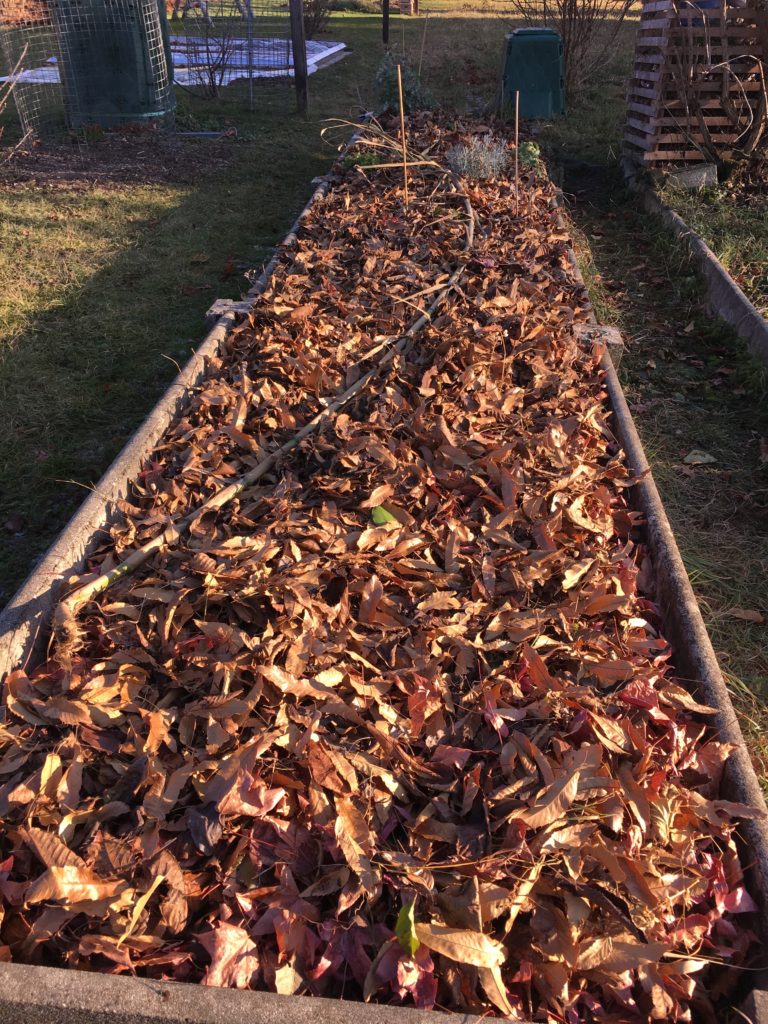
[747, 614]
[234, 957]
[465, 947]
[405, 928]
[698, 458]
[71, 885]
[381, 516]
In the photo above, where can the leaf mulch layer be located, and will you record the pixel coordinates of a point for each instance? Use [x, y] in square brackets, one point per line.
[397, 723]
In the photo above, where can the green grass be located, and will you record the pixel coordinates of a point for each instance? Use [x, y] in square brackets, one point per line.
[736, 229]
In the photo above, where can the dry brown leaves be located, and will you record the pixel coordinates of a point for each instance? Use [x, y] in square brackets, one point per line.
[397, 723]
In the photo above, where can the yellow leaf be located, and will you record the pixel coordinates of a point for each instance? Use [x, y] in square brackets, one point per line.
[140, 904]
[465, 947]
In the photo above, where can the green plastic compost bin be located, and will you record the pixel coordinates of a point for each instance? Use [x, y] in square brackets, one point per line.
[533, 66]
[114, 61]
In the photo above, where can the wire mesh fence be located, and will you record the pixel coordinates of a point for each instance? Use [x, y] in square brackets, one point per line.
[78, 64]
[216, 42]
[78, 67]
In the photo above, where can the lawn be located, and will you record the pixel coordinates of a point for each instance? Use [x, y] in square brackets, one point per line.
[733, 220]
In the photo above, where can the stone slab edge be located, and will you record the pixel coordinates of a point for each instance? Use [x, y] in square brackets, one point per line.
[51, 995]
[24, 620]
[725, 297]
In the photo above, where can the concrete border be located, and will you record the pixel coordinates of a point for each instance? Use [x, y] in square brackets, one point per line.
[44, 995]
[50, 995]
[726, 299]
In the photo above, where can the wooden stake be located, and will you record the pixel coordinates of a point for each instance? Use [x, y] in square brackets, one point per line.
[517, 154]
[402, 133]
[299, 49]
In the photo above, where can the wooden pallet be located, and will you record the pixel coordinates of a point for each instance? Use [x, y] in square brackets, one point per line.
[723, 47]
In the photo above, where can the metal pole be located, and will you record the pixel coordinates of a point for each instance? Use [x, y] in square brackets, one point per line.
[249, 15]
[385, 22]
[299, 47]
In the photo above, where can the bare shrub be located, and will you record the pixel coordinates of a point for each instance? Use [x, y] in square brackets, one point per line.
[588, 29]
[481, 158]
[219, 48]
[316, 15]
[6, 92]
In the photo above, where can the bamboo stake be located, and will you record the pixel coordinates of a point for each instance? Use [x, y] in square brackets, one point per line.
[399, 163]
[517, 154]
[402, 133]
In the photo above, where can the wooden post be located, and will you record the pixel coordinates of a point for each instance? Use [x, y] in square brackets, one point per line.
[385, 22]
[402, 133]
[299, 48]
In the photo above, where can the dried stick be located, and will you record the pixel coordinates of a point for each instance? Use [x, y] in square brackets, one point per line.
[6, 91]
[399, 163]
[402, 133]
[517, 154]
[64, 624]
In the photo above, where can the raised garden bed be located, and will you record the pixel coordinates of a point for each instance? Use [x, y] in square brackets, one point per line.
[396, 720]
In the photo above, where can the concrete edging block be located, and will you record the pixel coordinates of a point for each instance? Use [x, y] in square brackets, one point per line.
[50, 995]
[725, 297]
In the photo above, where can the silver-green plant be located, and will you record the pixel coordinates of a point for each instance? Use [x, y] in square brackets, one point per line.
[482, 157]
